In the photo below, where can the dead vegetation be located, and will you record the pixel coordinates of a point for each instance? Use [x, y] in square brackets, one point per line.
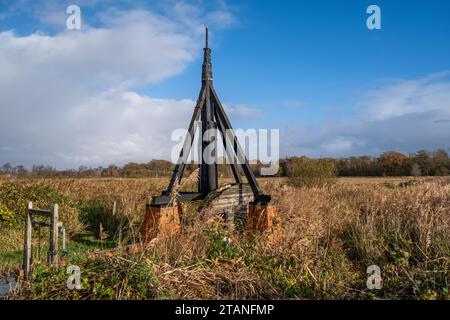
[321, 245]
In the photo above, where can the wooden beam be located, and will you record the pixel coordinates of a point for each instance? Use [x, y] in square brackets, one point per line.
[38, 212]
[230, 154]
[259, 196]
[188, 196]
[187, 145]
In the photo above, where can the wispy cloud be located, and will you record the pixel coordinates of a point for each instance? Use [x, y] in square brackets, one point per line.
[295, 104]
[442, 121]
[242, 111]
[406, 115]
[408, 97]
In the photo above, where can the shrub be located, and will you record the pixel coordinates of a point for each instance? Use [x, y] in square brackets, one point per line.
[5, 214]
[304, 172]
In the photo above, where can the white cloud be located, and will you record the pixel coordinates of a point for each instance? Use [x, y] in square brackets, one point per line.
[409, 97]
[337, 145]
[68, 100]
[238, 111]
[408, 115]
[119, 126]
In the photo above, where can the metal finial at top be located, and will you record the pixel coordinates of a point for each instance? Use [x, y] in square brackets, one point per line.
[207, 66]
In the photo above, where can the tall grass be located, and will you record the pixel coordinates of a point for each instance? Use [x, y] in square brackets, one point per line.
[319, 248]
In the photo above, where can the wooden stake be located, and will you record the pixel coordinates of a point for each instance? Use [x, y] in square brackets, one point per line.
[53, 257]
[27, 242]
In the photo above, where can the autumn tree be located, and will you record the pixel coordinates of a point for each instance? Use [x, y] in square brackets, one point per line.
[424, 160]
[441, 163]
[393, 163]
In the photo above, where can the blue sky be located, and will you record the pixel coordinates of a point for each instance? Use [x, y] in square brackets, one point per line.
[310, 68]
[320, 53]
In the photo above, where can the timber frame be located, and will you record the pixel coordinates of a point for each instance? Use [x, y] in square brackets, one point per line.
[55, 227]
[211, 113]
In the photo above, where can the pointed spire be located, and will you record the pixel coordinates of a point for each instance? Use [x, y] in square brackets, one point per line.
[207, 66]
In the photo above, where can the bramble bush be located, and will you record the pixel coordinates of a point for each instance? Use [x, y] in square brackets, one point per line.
[13, 204]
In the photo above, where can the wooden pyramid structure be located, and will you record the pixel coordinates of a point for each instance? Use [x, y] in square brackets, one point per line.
[212, 116]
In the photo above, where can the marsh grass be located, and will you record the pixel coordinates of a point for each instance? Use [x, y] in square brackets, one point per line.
[320, 247]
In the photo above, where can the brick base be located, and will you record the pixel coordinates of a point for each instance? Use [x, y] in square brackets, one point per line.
[164, 221]
[260, 216]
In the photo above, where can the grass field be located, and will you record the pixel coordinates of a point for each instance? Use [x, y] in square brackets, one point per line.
[322, 243]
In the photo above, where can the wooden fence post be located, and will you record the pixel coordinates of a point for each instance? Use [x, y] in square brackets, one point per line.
[114, 208]
[27, 242]
[63, 234]
[53, 256]
[62, 230]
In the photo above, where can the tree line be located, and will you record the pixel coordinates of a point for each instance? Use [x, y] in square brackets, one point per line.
[421, 163]
[391, 163]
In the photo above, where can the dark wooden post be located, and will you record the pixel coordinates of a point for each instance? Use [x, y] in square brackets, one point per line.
[208, 168]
